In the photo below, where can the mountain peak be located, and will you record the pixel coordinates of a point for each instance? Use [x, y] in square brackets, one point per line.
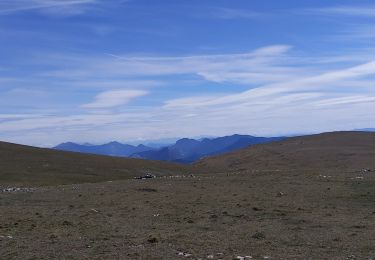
[113, 148]
[115, 143]
[188, 150]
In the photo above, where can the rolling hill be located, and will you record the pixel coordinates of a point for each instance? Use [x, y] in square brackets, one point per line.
[313, 207]
[328, 151]
[23, 165]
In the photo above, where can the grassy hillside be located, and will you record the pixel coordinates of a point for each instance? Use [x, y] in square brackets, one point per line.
[328, 151]
[24, 165]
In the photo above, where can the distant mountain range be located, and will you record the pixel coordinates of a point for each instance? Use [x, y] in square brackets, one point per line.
[366, 130]
[110, 149]
[190, 150]
[183, 151]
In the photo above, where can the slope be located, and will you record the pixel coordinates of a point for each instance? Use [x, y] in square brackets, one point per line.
[328, 151]
[24, 165]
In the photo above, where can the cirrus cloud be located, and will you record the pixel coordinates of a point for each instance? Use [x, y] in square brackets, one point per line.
[114, 98]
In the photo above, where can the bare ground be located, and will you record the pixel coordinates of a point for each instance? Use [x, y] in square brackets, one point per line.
[265, 215]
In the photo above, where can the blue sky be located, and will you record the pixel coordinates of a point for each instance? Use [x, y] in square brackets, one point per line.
[134, 70]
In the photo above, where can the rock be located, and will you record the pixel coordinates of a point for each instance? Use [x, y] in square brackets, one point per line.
[152, 240]
[67, 223]
[213, 216]
[148, 190]
[258, 235]
[144, 177]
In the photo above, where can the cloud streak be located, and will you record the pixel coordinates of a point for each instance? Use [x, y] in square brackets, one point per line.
[114, 98]
[264, 65]
[55, 6]
[285, 93]
[367, 11]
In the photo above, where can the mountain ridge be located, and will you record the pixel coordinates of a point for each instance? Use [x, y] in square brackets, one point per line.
[350, 150]
[113, 148]
[185, 150]
[190, 150]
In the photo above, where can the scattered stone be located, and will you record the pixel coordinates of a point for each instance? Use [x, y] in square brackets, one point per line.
[8, 237]
[213, 216]
[258, 235]
[152, 240]
[359, 226]
[243, 257]
[67, 223]
[53, 236]
[183, 254]
[148, 190]
[146, 176]
[15, 189]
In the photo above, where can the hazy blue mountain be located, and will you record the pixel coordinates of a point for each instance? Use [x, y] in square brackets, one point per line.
[366, 130]
[189, 150]
[184, 150]
[111, 149]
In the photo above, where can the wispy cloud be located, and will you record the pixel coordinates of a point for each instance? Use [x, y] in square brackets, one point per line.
[115, 98]
[286, 92]
[53, 6]
[264, 65]
[347, 10]
[355, 22]
[327, 83]
[356, 32]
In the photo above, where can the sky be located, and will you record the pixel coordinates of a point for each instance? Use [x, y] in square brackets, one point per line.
[135, 70]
